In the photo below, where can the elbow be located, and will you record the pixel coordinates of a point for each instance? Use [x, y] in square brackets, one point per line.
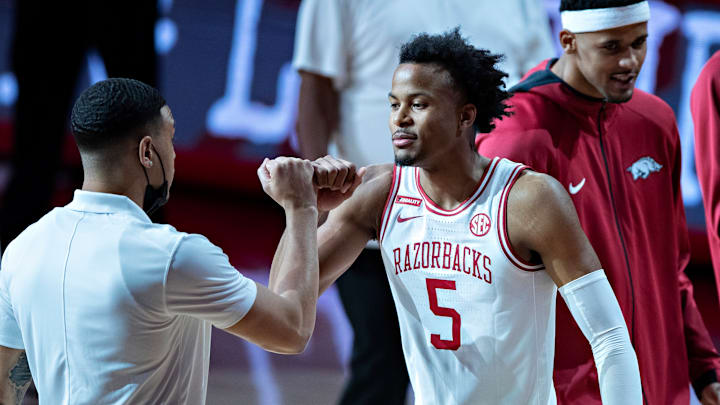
[294, 337]
[298, 344]
[290, 343]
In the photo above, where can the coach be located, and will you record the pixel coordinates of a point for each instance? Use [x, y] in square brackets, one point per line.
[105, 306]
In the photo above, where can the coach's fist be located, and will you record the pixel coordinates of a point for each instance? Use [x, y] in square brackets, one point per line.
[288, 181]
[336, 180]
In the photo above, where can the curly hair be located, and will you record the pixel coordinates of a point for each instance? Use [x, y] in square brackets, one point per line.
[574, 5]
[472, 70]
[113, 109]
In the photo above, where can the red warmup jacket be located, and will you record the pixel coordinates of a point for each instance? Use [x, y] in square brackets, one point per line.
[705, 107]
[621, 166]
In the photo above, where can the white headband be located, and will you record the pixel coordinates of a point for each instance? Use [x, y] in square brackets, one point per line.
[598, 19]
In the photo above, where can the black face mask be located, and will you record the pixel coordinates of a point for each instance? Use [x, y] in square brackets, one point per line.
[155, 197]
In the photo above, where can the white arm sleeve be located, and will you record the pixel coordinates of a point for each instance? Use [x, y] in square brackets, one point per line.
[593, 305]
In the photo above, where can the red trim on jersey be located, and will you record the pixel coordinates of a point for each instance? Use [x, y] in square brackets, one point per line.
[482, 184]
[394, 187]
[507, 248]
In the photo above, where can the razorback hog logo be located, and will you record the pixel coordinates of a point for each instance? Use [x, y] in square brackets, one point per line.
[644, 167]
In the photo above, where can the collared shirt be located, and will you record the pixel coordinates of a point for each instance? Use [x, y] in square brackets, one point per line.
[112, 308]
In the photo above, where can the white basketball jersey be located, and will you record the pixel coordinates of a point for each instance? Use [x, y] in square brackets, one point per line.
[477, 321]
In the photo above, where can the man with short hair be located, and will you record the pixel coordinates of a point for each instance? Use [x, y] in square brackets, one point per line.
[346, 52]
[617, 150]
[107, 307]
[474, 248]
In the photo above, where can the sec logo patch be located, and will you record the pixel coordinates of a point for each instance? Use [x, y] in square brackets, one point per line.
[480, 224]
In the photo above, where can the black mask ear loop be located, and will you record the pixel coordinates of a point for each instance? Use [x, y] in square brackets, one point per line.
[155, 197]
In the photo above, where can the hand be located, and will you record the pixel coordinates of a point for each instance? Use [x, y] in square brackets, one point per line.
[711, 394]
[336, 180]
[288, 181]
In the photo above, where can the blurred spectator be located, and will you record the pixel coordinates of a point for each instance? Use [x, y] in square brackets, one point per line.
[50, 44]
[705, 107]
[346, 52]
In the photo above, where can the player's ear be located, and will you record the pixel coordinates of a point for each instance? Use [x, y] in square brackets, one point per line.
[467, 112]
[568, 41]
[145, 154]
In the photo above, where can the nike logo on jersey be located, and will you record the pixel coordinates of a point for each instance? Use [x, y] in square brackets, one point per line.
[575, 189]
[401, 219]
[644, 167]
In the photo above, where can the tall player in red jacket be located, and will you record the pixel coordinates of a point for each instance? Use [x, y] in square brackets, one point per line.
[705, 107]
[618, 153]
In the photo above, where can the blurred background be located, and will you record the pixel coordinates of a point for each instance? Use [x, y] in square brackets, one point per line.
[224, 68]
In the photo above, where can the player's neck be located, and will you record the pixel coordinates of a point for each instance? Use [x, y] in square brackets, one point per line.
[567, 70]
[454, 181]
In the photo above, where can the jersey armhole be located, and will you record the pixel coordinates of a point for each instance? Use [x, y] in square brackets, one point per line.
[394, 186]
[505, 244]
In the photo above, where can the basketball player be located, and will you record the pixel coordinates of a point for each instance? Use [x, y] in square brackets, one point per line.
[580, 119]
[107, 307]
[474, 249]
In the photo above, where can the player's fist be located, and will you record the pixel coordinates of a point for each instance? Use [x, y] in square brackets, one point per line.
[288, 181]
[711, 394]
[336, 180]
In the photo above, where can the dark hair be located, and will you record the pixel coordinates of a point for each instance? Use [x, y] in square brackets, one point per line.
[472, 70]
[113, 109]
[574, 5]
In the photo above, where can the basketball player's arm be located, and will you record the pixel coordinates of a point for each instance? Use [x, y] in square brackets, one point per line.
[349, 227]
[282, 317]
[15, 374]
[542, 221]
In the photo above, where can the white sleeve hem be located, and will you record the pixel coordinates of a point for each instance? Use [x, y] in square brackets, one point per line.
[238, 316]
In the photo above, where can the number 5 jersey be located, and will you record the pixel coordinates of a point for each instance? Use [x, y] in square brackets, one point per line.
[477, 321]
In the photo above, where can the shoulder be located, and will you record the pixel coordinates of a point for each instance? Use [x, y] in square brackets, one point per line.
[379, 177]
[522, 140]
[194, 245]
[707, 86]
[197, 255]
[39, 233]
[160, 237]
[367, 203]
[711, 70]
[652, 110]
[535, 191]
[535, 108]
[531, 110]
[538, 206]
[376, 186]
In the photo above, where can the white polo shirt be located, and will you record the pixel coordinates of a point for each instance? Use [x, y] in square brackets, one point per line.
[111, 308]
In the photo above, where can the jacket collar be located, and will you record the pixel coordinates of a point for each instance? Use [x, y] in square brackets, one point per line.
[543, 81]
